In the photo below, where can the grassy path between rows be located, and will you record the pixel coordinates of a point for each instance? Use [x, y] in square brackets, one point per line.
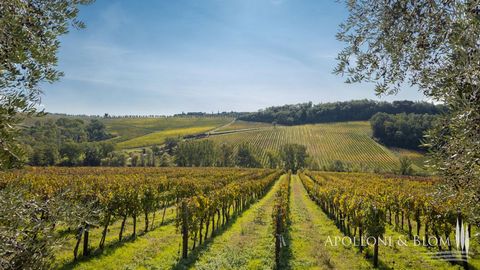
[158, 247]
[247, 244]
[309, 231]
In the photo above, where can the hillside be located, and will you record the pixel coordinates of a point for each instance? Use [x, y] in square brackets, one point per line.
[132, 132]
[139, 132]
[349, 142]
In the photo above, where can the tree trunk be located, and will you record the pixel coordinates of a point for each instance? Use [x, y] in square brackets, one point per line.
[153, 220]
[375, 253]
[146, 221]
[397, 220]
[184, 230]
[426, 233]
[360, 234]
[104, 233]
[418, 227]
[206, 227]
[200, 230]
[164, 210]
[79, 239]
[409, 228]
[194, 240]
[403, 215]
[122, 228]
[213, 226]
[134, 234]
[86, 251]
[389, 216]
[223, 216]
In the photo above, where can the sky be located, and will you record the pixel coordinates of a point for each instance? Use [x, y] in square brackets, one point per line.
[165, 57]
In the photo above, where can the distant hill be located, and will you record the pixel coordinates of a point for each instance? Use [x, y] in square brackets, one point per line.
[139, 132]
[349, 143]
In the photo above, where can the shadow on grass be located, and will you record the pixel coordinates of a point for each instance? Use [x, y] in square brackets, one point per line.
[391, 264]
[195, 254]
[110, 247]
[183, 264]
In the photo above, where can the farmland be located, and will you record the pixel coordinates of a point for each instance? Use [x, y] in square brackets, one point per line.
[214, 218]
[138, 132]
[133, 132]
[348, 142]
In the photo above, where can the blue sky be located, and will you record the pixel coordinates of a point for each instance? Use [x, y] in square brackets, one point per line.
[165, 57]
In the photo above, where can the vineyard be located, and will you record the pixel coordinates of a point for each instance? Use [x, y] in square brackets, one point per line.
[214, 218]
[94, 200]
[377, 206]
[348, 142]
[124, 129]
[139, 132]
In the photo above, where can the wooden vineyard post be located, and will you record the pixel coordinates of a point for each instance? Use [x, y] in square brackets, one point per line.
[184, 230]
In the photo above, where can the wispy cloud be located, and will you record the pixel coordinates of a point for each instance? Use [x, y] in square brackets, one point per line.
[172, 56]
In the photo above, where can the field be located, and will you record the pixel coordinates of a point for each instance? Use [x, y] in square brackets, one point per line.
[348, 142]
[138, 132]
[134, 132]
[214, 218]
[158, 138]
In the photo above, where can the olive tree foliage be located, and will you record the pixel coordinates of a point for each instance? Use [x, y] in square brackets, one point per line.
[29, 32]
[435, 46]
[28, 225]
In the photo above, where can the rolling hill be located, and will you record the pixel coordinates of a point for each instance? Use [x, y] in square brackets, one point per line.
[349, 142]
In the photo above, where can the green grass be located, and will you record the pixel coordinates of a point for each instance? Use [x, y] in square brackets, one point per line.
[349, 142]
[157, 138]
[247, 244]
[146, 131]
[309, 231]
[138, 132]
[157, 247]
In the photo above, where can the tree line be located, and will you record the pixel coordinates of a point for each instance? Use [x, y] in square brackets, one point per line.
[205, 153]
[355, 110]
[66, 142]
[401, 130]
